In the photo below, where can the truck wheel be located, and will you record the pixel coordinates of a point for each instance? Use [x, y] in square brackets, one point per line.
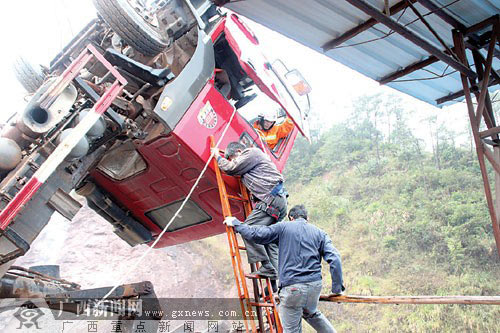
[30, 77]
[131, 26]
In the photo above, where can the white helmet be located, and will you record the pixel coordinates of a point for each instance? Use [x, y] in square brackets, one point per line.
[270, 115]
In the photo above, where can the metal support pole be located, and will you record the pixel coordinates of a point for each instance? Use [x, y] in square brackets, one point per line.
[495, 77]
[490, 156]
[460, 49]
[411, 36]
[256, 296]
[496, 156]
[489, 116]
[486, 77]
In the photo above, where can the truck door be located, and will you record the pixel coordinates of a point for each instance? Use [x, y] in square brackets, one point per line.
[287, 88]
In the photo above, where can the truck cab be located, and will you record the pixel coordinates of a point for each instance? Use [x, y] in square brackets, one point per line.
[189, 70]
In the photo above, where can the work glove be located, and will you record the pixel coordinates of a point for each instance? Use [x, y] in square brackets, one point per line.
[231, 221]
[215, 151]
[337, 292]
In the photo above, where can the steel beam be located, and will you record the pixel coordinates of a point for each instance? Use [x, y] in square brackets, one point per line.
[442, 14]
[460, 93]
[458, 40]
[429, 61]
[481, 25]
[496, 156]
[489, 115]
[486, 76]
[482, 40]
[479, 60]
[14, 285]
[491, 158]
[488, 300]
[489, 132]
[468, 31]
[363, 27]
[407, 70]
[431, 29]
[411, 36]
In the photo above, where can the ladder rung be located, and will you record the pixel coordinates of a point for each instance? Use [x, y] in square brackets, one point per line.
[234, 248]
[255, 276]
[269, 305]
[233, 197]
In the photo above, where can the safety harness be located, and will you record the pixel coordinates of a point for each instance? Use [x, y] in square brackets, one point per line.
[278, 190]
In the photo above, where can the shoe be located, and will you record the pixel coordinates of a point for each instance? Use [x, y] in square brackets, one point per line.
[244, 100]
[274, 286]
[267, 270]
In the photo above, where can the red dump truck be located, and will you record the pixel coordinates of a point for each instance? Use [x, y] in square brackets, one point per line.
[123, 116]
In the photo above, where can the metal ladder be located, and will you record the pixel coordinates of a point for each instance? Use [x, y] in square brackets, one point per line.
[261, 300]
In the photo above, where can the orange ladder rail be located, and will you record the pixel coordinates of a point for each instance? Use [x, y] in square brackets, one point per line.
[269, 304]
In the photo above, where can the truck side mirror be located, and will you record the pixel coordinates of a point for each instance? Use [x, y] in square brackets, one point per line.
[298, 82]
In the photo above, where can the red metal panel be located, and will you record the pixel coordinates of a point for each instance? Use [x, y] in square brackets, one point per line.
[18, 202]
[175, 161]
[173, 166]
[218, 30]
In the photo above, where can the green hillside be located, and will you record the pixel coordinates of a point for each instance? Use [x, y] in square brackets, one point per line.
[406, 221]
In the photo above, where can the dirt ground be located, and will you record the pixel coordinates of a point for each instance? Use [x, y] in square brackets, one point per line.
[90, 254]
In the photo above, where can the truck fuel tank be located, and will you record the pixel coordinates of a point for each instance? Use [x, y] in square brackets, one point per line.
[10, 154]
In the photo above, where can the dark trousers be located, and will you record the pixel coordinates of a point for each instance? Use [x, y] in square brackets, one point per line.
[257, 252]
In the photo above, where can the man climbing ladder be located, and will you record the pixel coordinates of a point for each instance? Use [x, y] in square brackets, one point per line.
[263, 300]
[265, 182]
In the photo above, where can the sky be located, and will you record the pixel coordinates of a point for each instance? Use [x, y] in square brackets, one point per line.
[46, 26]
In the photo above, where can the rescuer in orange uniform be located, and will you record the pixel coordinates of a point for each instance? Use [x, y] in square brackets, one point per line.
[271, 132]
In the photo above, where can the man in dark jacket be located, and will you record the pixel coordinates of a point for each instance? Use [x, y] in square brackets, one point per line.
[262, 178]
[301, 247]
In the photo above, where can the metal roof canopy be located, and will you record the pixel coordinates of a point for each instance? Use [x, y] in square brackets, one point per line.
[435, 50]
[346, 31]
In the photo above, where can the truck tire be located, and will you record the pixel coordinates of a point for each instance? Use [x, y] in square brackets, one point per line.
[131, 27]
[30, 77]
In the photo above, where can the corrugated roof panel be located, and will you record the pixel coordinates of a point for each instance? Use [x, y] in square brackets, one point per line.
[316, 22]
[411, 20]
[470, 12]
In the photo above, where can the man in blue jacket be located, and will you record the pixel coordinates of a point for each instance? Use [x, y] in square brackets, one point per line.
[301, 247]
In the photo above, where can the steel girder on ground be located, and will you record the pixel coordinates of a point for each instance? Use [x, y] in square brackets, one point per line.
[467, 300]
